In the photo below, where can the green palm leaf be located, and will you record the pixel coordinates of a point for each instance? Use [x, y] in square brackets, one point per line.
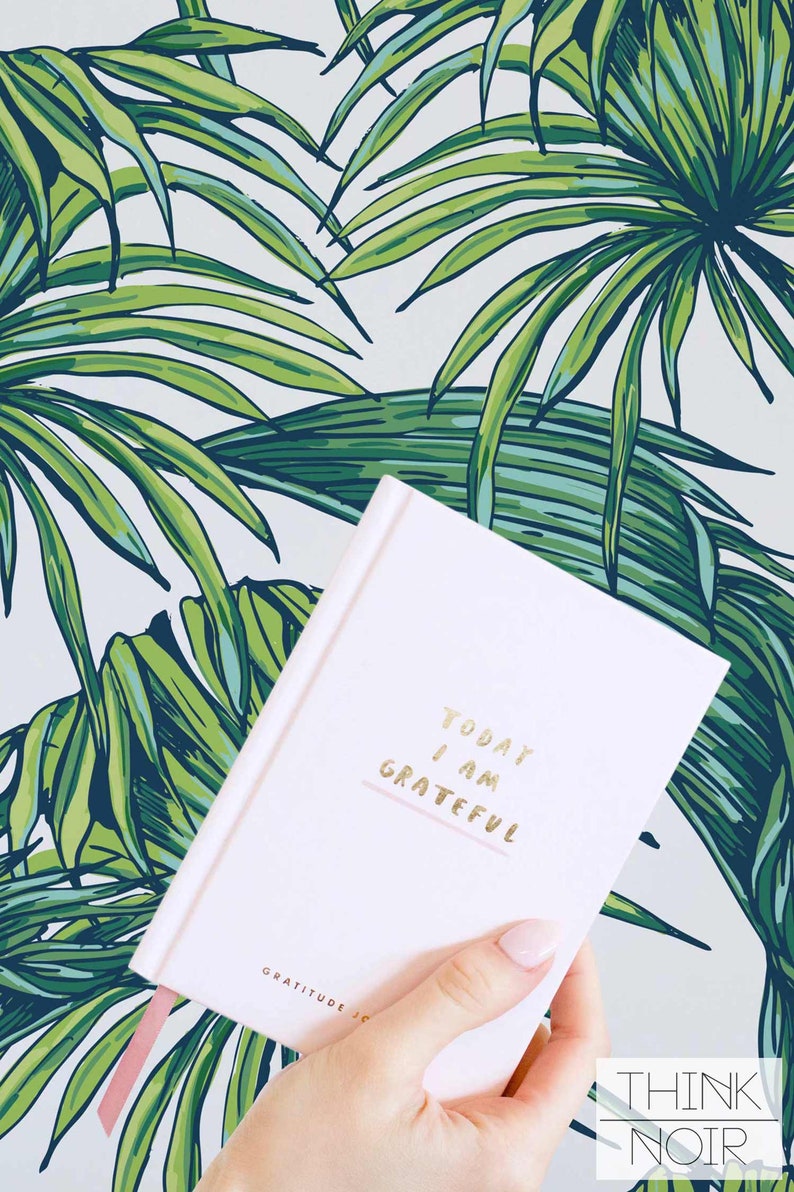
[265, 227]
[106, 431]
[604, 32]
[499, 311]
[90, 1074]
[188, 87]
[150, 1106]
[61, 582]
[677, 311]
[35, 417]
[186, 378]
[431, 24]
[20, 1088]
[63, 134]
[260, 355]
[250, 1070]
[557, 22]
[39, 326]
[350, 16]
[80, 486]
[541, 175]
[626, 910]
[19, 153]
[563, 128]
[119, 772]
[8, 541]
[217, 64]
[187, 536]
[113, 122]
[89, 267]
[398, 115]
[695, 111]
[197, 33]
[730, 315]
[23, 810]
[67, 796]
[554, 30]
[57, 108]
[603, 315]
[177, 453]
[183, 1159]
[511, 13]
[517, 361]
[626, 412]
[163, 713]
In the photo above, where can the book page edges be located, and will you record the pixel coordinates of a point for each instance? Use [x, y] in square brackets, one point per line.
[388, 502]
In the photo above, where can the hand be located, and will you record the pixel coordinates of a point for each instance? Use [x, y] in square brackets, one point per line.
[354, 1116]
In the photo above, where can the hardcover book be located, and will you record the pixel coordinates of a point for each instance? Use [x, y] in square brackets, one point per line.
[464, 735]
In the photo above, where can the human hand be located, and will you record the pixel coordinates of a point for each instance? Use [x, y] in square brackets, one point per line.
[354, 1116]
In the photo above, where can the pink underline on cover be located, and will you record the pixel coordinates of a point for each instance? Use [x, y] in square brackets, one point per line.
[135, 1056]
[442, 823]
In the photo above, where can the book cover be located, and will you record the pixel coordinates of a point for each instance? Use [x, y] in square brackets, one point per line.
[463, 736]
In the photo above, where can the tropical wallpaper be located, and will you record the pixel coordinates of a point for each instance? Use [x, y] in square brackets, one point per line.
[643, 172]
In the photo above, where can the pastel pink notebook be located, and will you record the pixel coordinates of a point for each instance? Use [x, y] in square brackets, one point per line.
[463, 736]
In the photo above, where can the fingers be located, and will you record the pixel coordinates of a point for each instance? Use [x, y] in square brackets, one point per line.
[564, 1069]
[476, 985]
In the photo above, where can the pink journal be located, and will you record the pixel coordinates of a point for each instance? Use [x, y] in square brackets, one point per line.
[464, 735]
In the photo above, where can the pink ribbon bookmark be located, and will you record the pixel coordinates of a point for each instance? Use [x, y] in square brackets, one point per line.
[135, 1056]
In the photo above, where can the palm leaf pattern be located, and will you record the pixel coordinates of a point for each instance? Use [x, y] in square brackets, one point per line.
[756, 1179]
[594, 22]
[111, 301]
[678, 162]
[71, 913]
[57, 109]
[673, 155]
[97, 888]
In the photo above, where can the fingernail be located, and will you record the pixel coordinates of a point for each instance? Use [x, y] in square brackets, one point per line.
[529, 943]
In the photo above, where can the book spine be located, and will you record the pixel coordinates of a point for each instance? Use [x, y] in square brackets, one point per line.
[388, 502]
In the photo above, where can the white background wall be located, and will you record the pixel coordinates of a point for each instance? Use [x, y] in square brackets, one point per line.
[663, 997]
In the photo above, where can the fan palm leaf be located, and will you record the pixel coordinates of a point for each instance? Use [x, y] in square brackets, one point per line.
[430, 23]
[58, 109]
[350, 15]
[71, 915]
[50, 436]
[692, 184]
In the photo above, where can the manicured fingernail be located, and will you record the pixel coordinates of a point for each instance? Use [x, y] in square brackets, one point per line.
[529, 943]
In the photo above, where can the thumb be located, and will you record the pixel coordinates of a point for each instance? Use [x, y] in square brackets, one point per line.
[469, 989]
